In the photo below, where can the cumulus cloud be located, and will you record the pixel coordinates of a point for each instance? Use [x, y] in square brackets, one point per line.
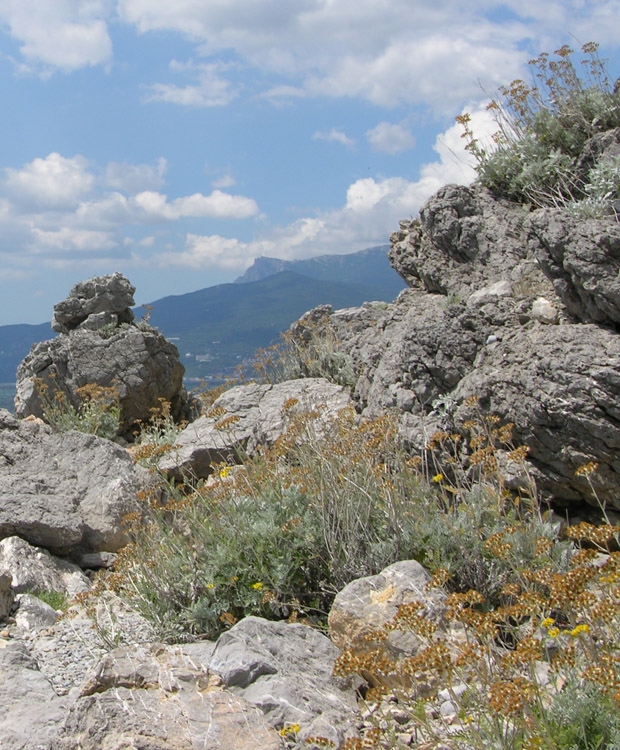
[388, 53]
[336, 135]
[371, 211]
[67, 34]
[57, 207]
[54, 181]
[390, 138]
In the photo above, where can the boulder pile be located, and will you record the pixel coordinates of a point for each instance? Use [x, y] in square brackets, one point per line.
[99, 343]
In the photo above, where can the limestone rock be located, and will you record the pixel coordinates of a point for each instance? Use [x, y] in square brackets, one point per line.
[142, 366]
[582, 259]
[286, 670]
[367, 604]
[33, 614]
[247, 416]
[66, 492]
[34, 569]
[464, 240]
[31, 711]
[98, 301]
[156, 698]
[560, 386]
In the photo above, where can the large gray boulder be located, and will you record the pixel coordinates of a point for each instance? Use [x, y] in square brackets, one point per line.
[136, 361]
[34, 569]
[31, 711]
[582, 259]
[65, 492]
[286, 670]
[248, 416]
[560, 385]
[156, 698]
[102, 300]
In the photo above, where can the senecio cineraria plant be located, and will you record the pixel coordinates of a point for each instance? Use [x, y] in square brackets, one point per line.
[537, 157]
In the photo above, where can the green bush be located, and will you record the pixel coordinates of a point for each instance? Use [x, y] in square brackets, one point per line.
[282, 534]
[542, 130]
[98, 412]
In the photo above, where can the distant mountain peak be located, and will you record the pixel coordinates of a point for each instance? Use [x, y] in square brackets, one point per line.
[359, 268]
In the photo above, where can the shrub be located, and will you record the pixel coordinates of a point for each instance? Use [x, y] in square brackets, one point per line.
[309, 349]
[282, 534]
[542, 130]
[541, 669]
[98, 412]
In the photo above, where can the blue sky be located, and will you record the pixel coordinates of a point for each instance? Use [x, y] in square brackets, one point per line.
[176, 140]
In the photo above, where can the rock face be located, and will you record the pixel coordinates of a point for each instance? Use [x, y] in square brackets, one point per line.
[245, 417]
[518, 308]
[99, 344]
[156, 697]
[31, 710]
[34, 569]
[286, 670]
[65, 492]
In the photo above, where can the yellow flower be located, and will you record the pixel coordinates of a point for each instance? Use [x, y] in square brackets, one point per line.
[580, 629]
[438, 478]
[210, 585]
[553, 632]
[224, 472]
[547, 622]
[258, 585]
[289, 729]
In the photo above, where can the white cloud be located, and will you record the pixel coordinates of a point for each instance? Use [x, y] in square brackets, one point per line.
[134, 178]
[54, 181]
[151, 207]
[66, 34]
[68, 239]
[388, 53]
[371, 211]
[208, 252]
[56, 208]
[390, 138]
[210, 89]
[336, 135]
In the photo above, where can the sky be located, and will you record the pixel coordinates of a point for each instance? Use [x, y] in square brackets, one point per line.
[177, 140]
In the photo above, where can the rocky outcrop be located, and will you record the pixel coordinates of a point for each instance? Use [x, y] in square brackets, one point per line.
[519, 308]
[582, 259]
[156, 697]
[286, 670]
[95, 303]
[31, 710]
[35, 569]
[246, 417]
[99, 344]
[65, 492]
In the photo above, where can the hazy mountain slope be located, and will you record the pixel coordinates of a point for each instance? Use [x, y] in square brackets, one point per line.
[223, 325]
[369, 267]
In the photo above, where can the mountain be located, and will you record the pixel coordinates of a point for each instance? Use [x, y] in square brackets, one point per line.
[219, 327]
[15, 343]
[368, 267]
